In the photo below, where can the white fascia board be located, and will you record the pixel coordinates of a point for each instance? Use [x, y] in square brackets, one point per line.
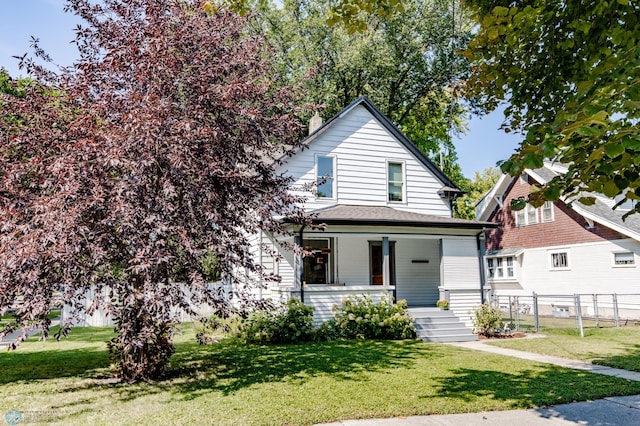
[535, 176]
[488, 203]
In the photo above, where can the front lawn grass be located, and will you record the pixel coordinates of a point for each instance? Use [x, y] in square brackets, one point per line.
[611, 346]
[231, 383]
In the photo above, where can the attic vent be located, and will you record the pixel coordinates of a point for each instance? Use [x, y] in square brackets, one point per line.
[315, 123]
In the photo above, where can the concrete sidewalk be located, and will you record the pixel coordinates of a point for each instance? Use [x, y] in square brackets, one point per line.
[614, 411]
[617, 411]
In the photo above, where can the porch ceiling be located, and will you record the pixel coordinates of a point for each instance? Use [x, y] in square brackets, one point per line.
[383, 215]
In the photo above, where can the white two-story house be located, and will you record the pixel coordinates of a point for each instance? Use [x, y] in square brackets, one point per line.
[388, 215]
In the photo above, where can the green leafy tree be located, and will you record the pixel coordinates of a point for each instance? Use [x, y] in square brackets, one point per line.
[570, 71]
[482, 182]
[406, 62]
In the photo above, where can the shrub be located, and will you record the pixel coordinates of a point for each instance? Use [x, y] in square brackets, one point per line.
[487, 320]
[360, 317]
[209, 330]
[292, 322]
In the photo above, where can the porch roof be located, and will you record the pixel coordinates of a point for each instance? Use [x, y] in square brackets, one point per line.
[382, 215]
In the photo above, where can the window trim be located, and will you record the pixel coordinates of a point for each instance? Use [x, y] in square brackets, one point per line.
[522, 216]
[504, 266]
[550, 254]
[551, 209]
[329, 264]
[404, 181]
[623, 265]
[334, 187]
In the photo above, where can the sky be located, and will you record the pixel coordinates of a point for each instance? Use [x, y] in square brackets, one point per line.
[482, 146]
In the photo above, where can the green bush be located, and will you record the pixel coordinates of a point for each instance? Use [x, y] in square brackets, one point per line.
[487, 320]
[209, 330]
[361, 317]
[292, 322]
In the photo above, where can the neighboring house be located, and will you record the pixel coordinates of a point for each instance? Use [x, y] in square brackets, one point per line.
[388, 215]
[560, 247]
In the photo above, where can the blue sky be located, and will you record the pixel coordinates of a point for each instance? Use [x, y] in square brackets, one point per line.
[481, 147]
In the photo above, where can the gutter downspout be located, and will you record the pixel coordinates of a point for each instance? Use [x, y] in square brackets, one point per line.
[481, 264]
[301, 266]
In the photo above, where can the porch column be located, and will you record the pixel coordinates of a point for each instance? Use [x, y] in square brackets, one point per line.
[386, 271]
[298, 273]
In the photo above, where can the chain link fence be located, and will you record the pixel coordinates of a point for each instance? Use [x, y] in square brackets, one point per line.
[539, 311]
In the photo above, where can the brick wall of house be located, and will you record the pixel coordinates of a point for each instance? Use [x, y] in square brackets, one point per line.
[567, 228]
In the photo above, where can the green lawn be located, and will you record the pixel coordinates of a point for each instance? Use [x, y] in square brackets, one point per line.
[232, 383]
[613, 347]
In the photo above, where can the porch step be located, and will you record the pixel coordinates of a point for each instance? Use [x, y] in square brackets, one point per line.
[435, 325]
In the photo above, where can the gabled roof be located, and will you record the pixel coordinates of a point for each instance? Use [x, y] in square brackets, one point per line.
[600, 212]
[391, 128]
[342, 214]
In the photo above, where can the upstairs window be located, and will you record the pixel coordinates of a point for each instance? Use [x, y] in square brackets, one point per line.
[325, 176]
[547, 211]
[395, 179]
[531, 215]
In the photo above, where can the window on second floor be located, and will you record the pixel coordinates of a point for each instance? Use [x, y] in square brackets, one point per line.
[531, 215]
[500, 267]
[547, 211]
[395, 181]
[325, 176]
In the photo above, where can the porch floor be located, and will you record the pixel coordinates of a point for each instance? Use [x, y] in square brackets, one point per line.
[436, 325]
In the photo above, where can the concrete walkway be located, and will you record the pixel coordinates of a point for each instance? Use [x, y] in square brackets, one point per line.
[614, 411]
[481, 345]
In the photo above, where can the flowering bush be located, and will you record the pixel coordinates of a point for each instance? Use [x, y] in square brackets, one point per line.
[487, 320]
[292, 322]
[361, 317]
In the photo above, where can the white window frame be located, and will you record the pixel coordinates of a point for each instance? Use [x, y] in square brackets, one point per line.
[501, 263]
[551, 254]
[623, 265]
[523, 216]
[329, 272]
[334, 186]
[404, 182]
[548, 205]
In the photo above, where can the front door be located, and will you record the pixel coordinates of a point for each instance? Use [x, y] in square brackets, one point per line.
[376, 263]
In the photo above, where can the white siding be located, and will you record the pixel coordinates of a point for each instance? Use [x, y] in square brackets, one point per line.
[353, 260]
[463, 303]
[591, 270]
[417, 282]
[324, 299]
[362, 147]
[460, 267]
